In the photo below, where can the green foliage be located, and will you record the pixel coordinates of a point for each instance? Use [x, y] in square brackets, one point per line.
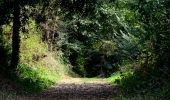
[35, 79]
[150, 74]
[153, 82]
[38, 68]
[114, 77]
[92, 34]
[96, 38]
[80, 63]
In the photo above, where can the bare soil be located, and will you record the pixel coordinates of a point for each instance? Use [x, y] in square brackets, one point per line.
[73, 89]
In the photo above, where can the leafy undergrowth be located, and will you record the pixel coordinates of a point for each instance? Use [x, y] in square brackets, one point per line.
[112, 79]
[90, 79]
[150, 85]
[38, 68]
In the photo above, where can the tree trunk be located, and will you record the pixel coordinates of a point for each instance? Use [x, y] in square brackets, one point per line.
[15, 36]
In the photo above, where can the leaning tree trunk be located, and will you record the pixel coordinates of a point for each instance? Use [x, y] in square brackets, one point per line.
[15, 36]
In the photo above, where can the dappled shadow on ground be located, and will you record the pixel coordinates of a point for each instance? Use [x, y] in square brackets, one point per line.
[68, 89]
[86, 91]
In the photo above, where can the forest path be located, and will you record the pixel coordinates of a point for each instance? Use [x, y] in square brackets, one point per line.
[66, 89]
[71, 80]
[79, 89]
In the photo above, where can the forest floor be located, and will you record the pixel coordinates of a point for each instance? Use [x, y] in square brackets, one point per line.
[71, 89]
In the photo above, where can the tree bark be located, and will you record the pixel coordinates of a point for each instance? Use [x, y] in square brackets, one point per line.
[15, 36]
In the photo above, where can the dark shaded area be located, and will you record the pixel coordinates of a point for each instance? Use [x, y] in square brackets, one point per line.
[100, 65]
[5, 54]
[15, 36]
[154, 81]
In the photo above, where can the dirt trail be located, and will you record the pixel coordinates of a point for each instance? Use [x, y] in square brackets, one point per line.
[77, 89]
[70, 80]
[70, 89]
